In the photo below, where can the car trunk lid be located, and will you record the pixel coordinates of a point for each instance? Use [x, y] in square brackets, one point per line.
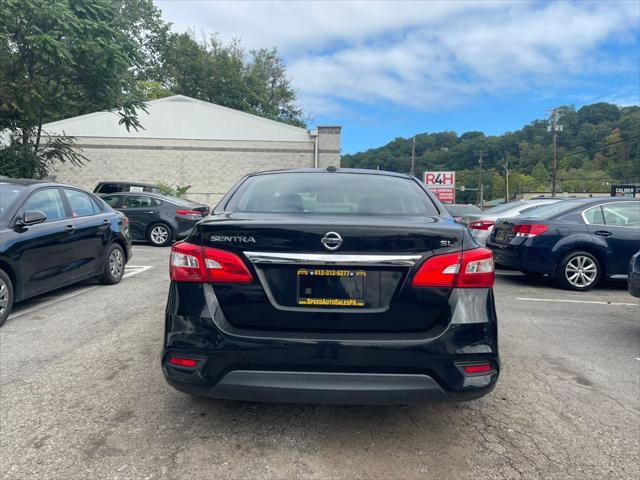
[331, 272]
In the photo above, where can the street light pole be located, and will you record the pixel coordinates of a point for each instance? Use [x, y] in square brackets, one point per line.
[413, 157]
[554, 128]
[480, 186]
[506, 176]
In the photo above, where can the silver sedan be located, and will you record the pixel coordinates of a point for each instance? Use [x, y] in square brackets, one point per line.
[481, 224]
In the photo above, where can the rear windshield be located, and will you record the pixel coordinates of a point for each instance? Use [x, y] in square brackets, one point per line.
[180, 200]
[546, 212]
[8, 193]
[456, 210]
[331, 193]
[504, 207]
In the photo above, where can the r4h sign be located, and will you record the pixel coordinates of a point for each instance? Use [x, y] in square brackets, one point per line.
[440, 179]
[442, 185]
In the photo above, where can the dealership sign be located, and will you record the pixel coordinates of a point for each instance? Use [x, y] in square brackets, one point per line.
[442, 184]
[624, 190]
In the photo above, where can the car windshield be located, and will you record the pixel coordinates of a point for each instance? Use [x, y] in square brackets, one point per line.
[331, 193]
[549, 211]
[8, 193]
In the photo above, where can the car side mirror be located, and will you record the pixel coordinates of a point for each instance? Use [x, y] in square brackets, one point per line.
[32, 217]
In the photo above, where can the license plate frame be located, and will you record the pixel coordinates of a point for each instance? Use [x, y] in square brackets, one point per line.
[501, 235]
[330, 287]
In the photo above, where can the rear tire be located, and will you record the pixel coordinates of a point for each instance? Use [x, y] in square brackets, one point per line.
[160, 235]
[579, 271]
[6, 296]
[114, 265]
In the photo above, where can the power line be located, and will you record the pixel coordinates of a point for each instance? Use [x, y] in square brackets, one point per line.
[595, 149]
[630, 79]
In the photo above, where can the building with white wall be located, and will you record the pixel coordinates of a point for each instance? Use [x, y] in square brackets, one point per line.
[185, 141]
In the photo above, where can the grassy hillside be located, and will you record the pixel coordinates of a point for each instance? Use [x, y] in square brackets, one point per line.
[599, 145]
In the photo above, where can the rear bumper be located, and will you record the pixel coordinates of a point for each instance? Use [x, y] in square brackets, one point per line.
[481, 236]
[523, 257]
[304, 367]
[183, 227]
[322, 387]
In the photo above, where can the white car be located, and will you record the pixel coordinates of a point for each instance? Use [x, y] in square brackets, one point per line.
[481, 224]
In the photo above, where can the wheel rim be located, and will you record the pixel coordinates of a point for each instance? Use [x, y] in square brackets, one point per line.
[4, 297]
[581, 271]
[116, 263]
[159, 234]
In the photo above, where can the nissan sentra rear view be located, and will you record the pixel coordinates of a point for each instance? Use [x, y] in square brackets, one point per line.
[331, 286]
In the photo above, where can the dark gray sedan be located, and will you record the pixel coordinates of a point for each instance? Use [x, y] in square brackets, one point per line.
[158, 219]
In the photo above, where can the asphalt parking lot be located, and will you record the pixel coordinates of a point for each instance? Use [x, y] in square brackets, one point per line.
[82, 396]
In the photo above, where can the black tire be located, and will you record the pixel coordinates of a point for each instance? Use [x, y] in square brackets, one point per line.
[579, 271]
[160, 234]
[6, 296]
[114, 263]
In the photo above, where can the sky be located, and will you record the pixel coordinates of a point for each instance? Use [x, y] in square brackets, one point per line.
[387, 69]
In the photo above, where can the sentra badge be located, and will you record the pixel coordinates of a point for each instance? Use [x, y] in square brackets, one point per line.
[232, 239]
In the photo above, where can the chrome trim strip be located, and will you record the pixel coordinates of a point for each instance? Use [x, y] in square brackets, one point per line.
[332, 259]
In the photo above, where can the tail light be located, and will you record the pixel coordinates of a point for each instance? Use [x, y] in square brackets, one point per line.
[183, 362]
[469, 269]
[477, 368]
[530, 230]
[481, 224]
[194, 213]
[195, 263]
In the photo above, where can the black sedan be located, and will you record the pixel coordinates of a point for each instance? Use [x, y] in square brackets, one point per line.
[576, 241]
[331, 286]
[634, 275]
[158, 219]
[53, 235]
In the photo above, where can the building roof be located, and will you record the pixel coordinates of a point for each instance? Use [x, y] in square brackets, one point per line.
[182, 118]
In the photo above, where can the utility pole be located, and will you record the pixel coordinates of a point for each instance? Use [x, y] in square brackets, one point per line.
[480, 155]
[413, 157]
[554, 128]
[506, 176]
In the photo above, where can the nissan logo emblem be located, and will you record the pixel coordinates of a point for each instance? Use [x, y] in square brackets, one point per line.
[331, 241]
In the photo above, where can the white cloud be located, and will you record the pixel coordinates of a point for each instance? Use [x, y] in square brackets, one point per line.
[422, 55]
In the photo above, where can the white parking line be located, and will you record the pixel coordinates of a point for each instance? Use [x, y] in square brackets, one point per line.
[52, 302]
[526, 299]
[130, 270]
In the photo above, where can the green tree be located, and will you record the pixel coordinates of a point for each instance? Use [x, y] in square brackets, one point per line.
[60, 58]
[225, 74]
[540, 175]
[584, 149]
[167, 189]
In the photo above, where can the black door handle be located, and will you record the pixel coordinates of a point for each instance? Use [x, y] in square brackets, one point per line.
[69, 229]
[602, 233]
